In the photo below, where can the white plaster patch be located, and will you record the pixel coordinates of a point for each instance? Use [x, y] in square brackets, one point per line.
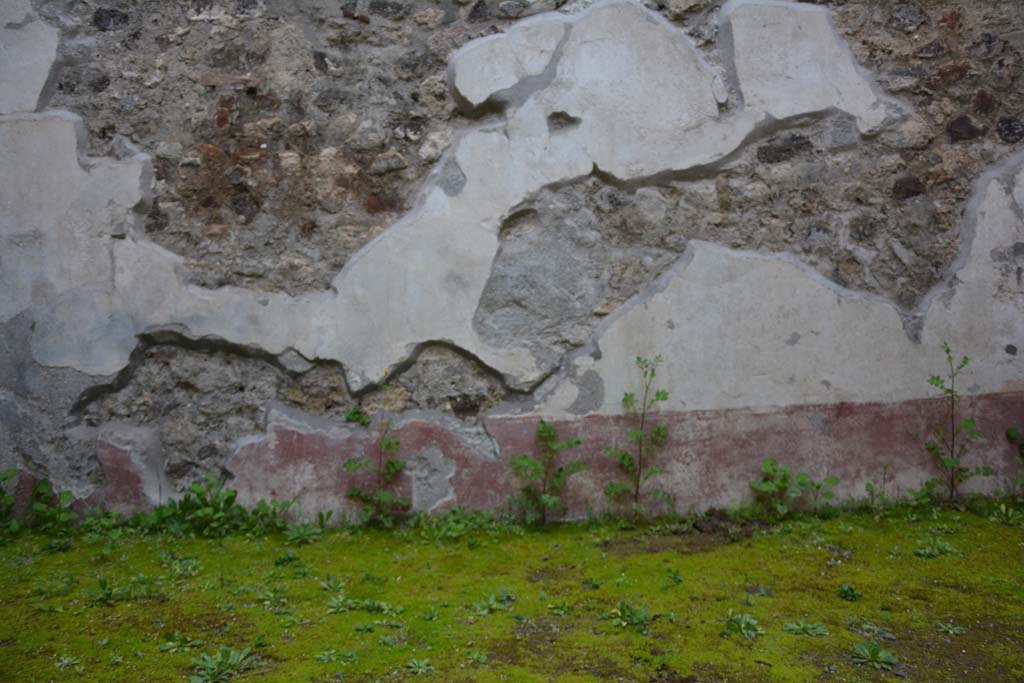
[788, 60]
[495, 63]
[28, 48]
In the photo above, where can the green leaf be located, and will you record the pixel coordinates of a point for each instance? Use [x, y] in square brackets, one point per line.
[661, 395]
[393, 468]
[575, 467]
[558, 446]
[545, 432]
[356, 464]
[526, 467]
[626, 462]
[831, 480]
[617, 490]
[658, 436]
[550, 501]
[652, 472]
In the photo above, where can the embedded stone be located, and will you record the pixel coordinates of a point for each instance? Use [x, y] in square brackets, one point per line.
[479, 12]
[784, 148]
[1010, 130]
[984, 102]
[963, 128]
[906, 187]
[906, 17]
[109, 19]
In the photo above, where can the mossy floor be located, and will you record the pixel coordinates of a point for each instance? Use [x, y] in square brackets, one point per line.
[535, 606]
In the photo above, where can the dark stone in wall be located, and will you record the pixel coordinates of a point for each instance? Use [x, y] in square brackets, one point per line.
[109, 19]
[906, 17]
[783, 148]
[480, 12]
[963, 128]
[907, 187]
[1010, 130]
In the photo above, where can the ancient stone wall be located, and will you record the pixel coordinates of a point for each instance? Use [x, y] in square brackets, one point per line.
[226, 223]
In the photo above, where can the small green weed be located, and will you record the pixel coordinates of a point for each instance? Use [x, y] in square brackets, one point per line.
[495, 602]
[637, 466]
[543, 478]
[625, 614]
[355, 415]
[935, 547]
[872, 654]
[779, 491]
[948, 447]
[814, 629]
[328, 656]
[950, 628]
[51, 512]
[742, 625]
[848, 592]
[418, 667]
[176, 642]
[222, 665]
[303, 533]
[380, 505]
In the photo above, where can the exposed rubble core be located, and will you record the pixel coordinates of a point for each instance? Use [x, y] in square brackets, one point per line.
[201, 401]
[285, 135]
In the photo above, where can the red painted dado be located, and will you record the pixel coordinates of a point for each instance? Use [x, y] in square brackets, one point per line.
[308, 466]
[710, 460]
[713, 455]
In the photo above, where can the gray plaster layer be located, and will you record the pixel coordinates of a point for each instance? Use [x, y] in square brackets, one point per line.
[431, 486]
[37, 430]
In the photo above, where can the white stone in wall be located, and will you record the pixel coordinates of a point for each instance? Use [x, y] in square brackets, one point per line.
[28, 48]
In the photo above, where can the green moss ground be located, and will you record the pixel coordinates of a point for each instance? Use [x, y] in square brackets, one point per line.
[564, 582]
